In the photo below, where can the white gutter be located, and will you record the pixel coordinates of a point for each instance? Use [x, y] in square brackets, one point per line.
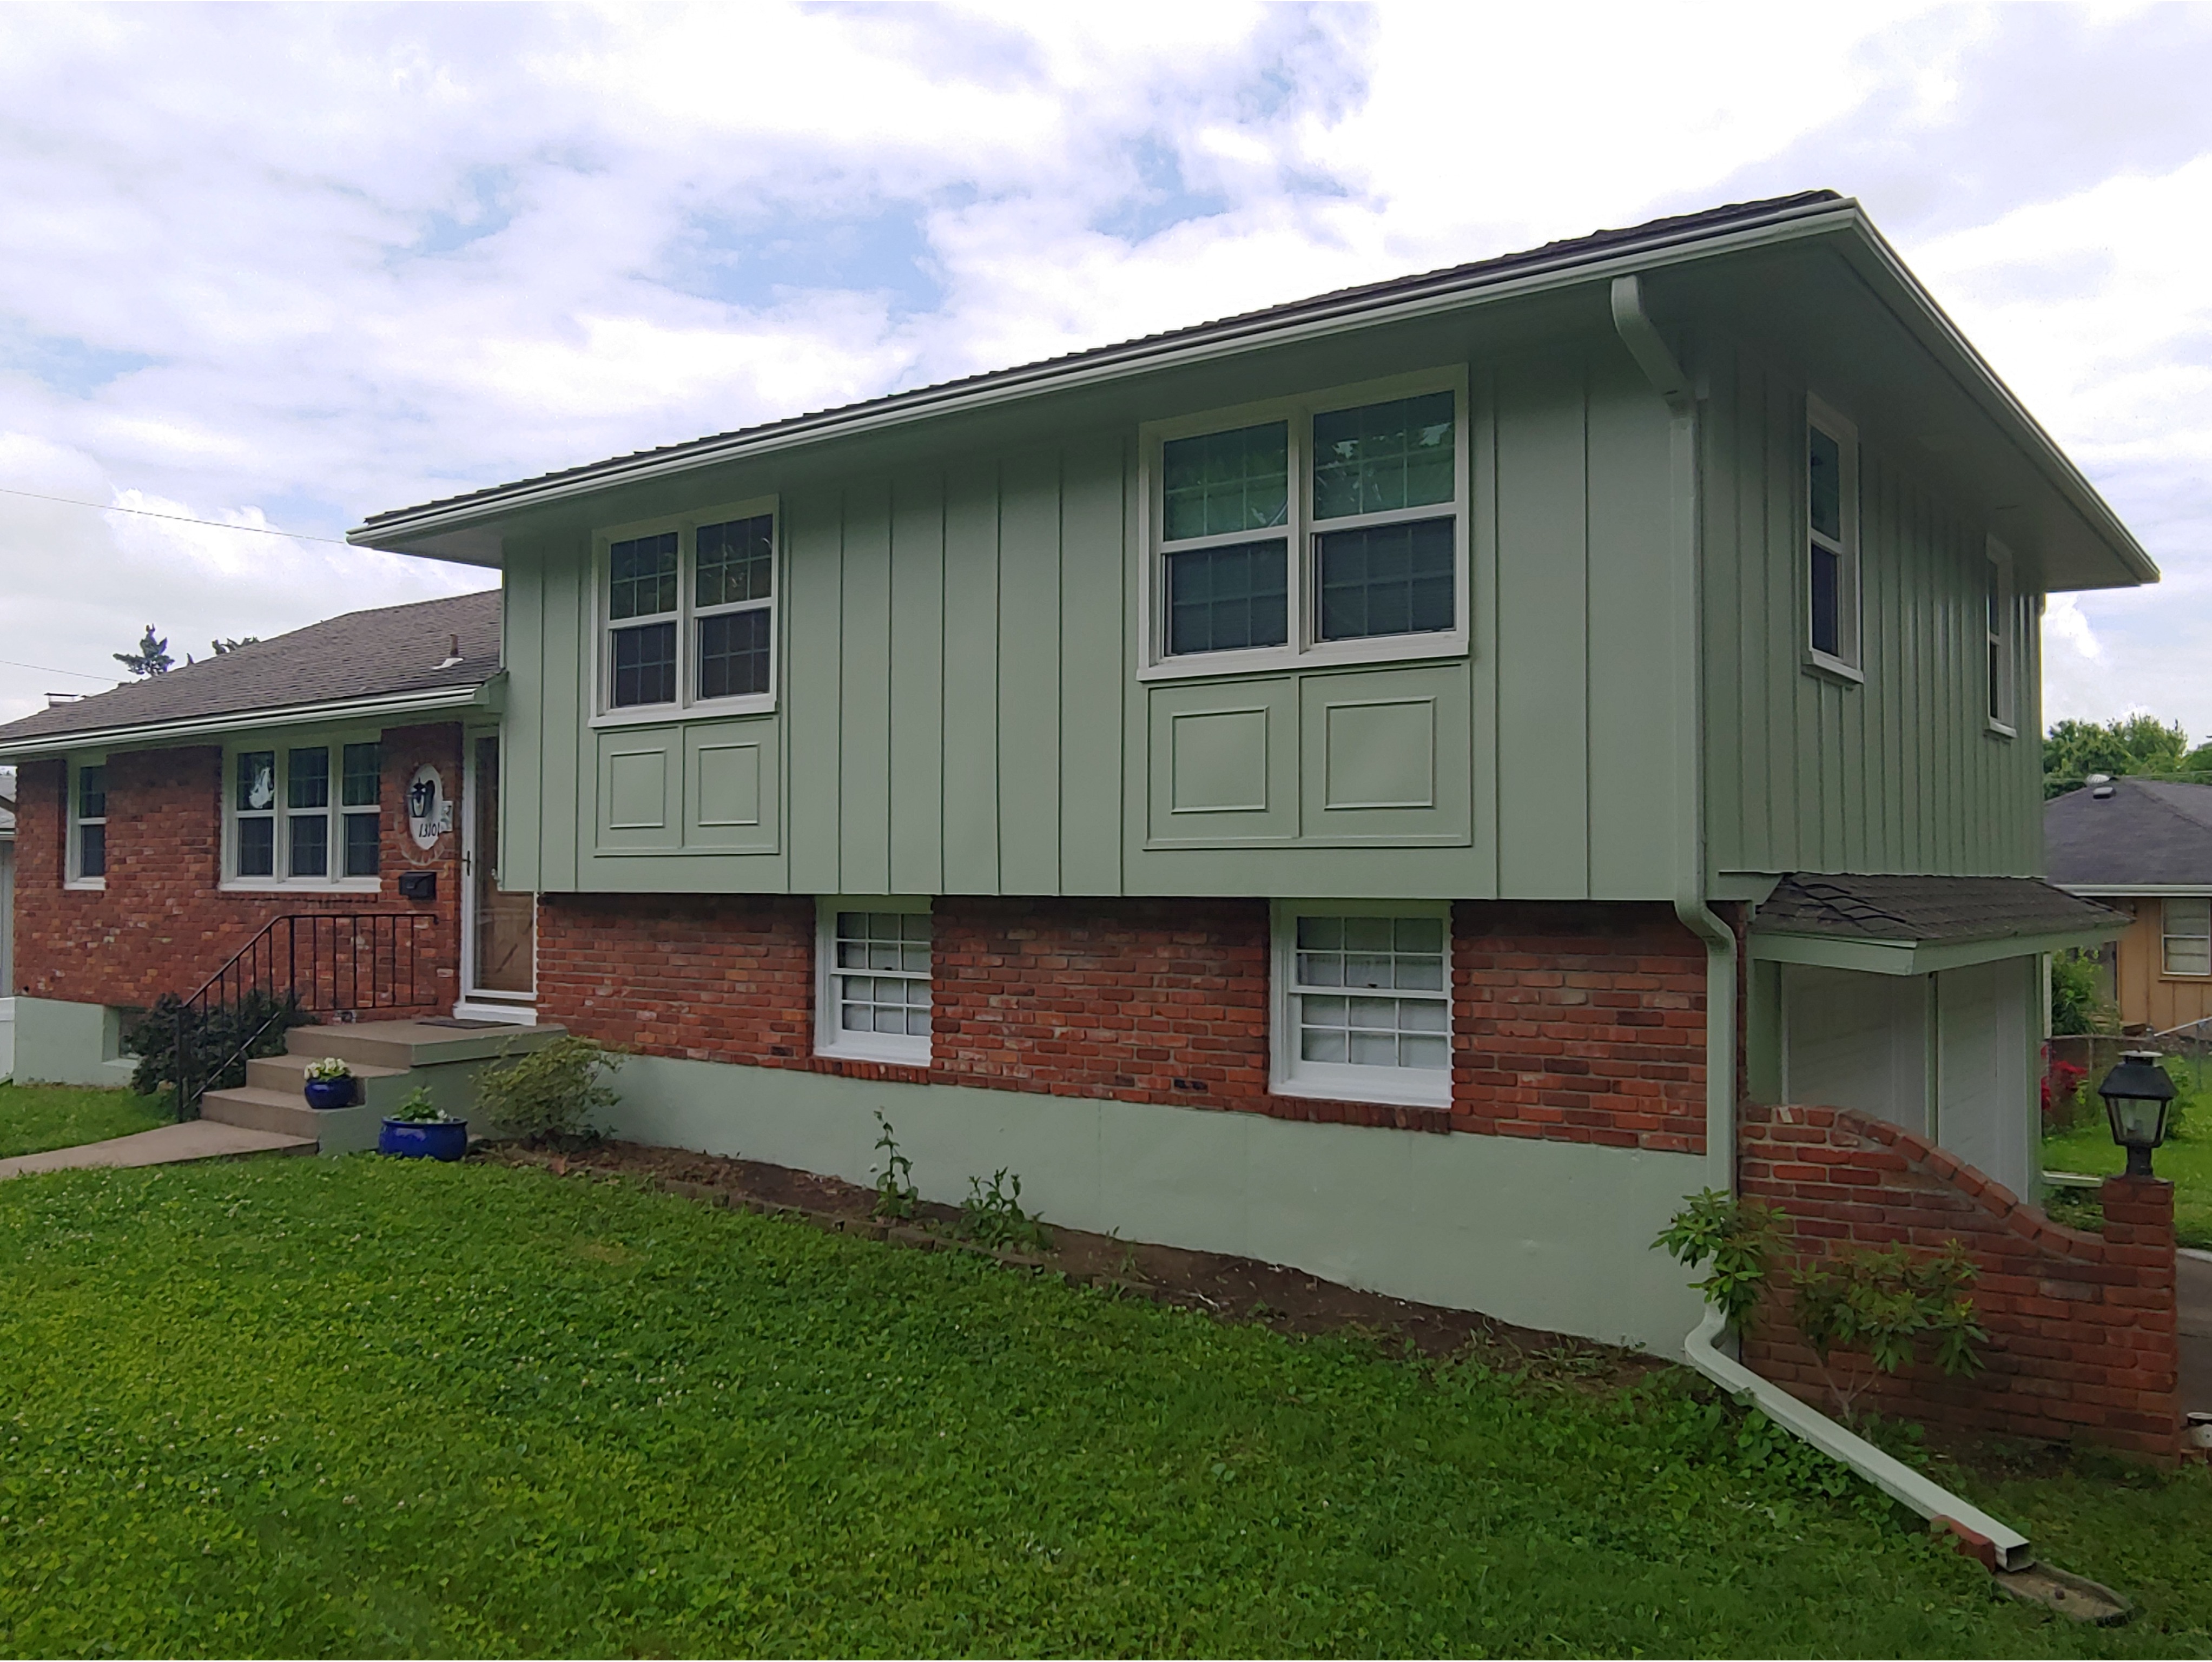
[142, 736]
[1892, 1476]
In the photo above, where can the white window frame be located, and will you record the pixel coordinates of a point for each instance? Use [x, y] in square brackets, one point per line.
[1290, 1074]
[2167, 937]
[1847, 661]
[830, 1039]
[73, 850]
[283, 742]
[1300, 532]
[2003, 680]
[687, 702]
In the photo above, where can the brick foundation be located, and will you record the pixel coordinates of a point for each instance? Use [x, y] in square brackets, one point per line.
[163, 923]
[1580, 1024]
[2081, 1327]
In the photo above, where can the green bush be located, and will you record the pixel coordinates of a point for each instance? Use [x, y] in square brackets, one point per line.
[221, 1039]
[1885, 1301]
[1739, 1236]
[2078, 1004]
[550, 1094]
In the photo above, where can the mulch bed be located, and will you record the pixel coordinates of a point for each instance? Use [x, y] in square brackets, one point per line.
[1229, 1289]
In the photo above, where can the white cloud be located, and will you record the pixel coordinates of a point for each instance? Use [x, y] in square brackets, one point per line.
[290, 267]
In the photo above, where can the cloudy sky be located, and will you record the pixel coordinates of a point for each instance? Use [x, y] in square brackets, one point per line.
[286, 268]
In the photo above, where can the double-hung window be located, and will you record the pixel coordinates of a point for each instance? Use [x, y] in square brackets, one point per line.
[305, 814]
[872, 985]
[1324, 529]
[1831, 539]
[688, 615]
[1997, 621]
[1362, 1001]
[88, 824]
[2187, 927]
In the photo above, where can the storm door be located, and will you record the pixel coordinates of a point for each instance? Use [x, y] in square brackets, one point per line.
[501, 924]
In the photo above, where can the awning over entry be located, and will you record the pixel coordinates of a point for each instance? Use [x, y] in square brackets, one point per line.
[1919, 925]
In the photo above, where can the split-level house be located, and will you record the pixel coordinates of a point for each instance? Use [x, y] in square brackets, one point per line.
[1390, 784]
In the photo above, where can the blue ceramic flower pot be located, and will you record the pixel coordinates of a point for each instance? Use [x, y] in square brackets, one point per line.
[414, 1138]
[330, 1093]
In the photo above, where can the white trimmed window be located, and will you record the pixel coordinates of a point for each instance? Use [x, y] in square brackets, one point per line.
[688, 615]
[1997, 626]
[1324, 529]
[2188, 935]
[88, 824]
[1831, 539]
[871, 984]
[304, 815]
[1362, 1001]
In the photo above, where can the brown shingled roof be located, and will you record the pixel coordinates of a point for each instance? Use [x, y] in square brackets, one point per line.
[362, 654]
[1930, 910]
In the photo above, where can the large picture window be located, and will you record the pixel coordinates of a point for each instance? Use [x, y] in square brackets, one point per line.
[689, 615]
[1362, 1001]
[872, 997]
[306, 814]
[1831, 539]
[1332, 528]
[87, 826]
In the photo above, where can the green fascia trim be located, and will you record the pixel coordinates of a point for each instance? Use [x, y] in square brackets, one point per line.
[490, 694]
[2135, 891]
[1914, 957]
[465, 532]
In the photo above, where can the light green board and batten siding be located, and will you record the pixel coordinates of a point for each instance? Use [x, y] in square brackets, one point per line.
[961, 711]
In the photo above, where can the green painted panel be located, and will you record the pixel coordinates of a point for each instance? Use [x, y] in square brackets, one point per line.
[971, 679]
[1029, 675]
[863, 660]
[1094, 662]
[1543, 600]
[566, 825]
[813, 589]
[522, 726]
[639, 777]
[917, 685]
[731, 774]
[1224, 763]
[1384, 756]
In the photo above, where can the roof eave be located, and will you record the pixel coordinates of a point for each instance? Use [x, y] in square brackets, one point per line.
[146, 735]
[1869, 955]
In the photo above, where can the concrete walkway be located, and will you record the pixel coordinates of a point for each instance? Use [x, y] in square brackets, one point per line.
[2193, 1278]
[165, 1145]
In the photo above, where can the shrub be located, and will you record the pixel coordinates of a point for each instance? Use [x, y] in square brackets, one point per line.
[2078, 1004]
[1885, 1301]
[1739, 1237]
[550, 1094]
[223, 1038]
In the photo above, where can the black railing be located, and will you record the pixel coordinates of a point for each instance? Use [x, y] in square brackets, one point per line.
[317, 962]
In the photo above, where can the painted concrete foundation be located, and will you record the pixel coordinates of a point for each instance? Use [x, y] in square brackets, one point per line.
[1544, 1235]
[61, 1043]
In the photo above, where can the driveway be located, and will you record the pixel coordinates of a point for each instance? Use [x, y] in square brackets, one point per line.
[2194, 1273]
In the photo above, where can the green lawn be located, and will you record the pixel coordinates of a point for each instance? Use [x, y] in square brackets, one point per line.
[36, 1117]
[366, 1407]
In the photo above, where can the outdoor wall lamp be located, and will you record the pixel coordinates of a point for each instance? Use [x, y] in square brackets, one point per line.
[2137, 1094]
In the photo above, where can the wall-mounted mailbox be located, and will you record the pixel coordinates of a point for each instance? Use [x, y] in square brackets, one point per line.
[418, 885]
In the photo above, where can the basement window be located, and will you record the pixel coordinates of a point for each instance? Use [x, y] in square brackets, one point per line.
[1362, 1001]
[87, 826]
[1831, 540]
[872, 979]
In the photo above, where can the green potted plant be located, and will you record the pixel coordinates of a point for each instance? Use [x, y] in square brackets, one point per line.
[419, 1129]
[330, 1083]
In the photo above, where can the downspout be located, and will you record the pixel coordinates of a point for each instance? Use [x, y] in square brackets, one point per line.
[1899, 1482]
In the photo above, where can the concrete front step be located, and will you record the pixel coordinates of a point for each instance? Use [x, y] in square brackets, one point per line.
[400, 1045]
[289, 1073]
[257, 1108]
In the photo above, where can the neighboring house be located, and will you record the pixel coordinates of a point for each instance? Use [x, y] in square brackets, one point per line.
[164, 825]
[2144, 848]
[1325, 785]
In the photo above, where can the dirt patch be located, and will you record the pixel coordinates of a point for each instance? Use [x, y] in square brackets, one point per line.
[1230, 1288]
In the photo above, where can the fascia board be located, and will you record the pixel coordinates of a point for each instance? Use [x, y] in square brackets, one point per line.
[2091, 890]
[485, 695]
[407, 532]
[1914, 957]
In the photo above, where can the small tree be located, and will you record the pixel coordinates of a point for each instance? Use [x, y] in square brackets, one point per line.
[1739, 1237]
[1885, 1301]
[152, 657]
[550, 1094]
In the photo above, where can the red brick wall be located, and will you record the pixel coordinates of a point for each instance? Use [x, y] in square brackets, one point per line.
[1575, 1024]
[163, 924]
[2081, 1327]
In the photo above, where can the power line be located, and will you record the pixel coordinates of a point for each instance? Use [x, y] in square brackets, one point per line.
[182, 518]
[47, 669]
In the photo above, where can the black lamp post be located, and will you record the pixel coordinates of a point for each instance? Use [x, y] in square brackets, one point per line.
[2137, 1094]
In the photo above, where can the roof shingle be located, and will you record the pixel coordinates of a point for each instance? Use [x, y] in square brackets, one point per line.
[2147, 833]
[1931, 910]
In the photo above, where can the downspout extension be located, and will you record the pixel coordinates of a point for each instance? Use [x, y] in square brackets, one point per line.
[2003, 1547]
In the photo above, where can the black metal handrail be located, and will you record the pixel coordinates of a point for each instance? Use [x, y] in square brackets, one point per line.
[325, 962]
